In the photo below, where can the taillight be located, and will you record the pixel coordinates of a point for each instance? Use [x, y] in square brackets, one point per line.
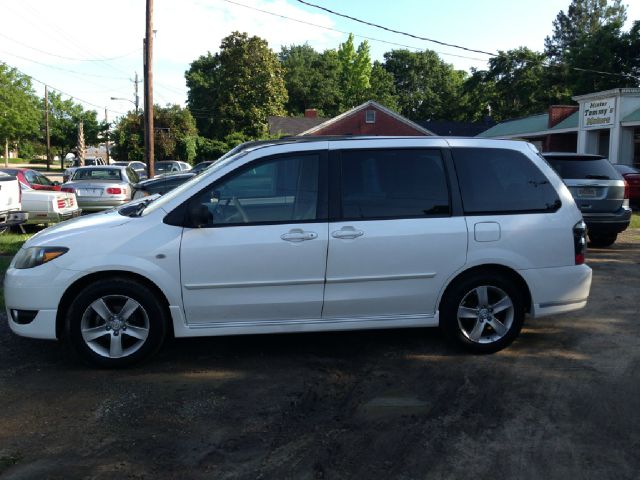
[114, 190]
[61, 203]
[625, 202]
[67, 189]
[579, 241]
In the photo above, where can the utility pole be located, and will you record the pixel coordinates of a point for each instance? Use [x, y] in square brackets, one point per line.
[106, 120]
[148, 91]
[46, 126]
[135, 82]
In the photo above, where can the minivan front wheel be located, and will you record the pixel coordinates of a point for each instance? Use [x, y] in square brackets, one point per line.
[482, 312]
[115, 323]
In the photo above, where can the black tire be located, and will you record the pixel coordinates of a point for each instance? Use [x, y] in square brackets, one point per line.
[602, 240]
[141, 329]
[462, 297]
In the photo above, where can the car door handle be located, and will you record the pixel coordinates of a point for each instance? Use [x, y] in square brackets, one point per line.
[298, 235]
[347, 232]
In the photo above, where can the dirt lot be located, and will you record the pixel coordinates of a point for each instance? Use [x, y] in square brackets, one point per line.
[563, 402]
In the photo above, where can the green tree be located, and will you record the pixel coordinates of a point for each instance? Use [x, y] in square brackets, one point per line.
[382, 88]
[64, 117]
[521, 85]
[236, 89]
[586, 40]
[354, 72]
[19, 112]
[175, 135]
[427, 87]
[311, 80]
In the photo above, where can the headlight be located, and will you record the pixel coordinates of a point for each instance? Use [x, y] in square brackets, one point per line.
[34, 256]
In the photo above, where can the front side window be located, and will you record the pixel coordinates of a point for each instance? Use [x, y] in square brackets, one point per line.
[280, 190]
[502, 181]
[378, 184]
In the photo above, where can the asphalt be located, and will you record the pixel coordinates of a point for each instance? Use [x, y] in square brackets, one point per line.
[562, 402]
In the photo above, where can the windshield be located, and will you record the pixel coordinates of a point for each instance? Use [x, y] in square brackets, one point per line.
[176, 192]
[166, 167]
[97, 174]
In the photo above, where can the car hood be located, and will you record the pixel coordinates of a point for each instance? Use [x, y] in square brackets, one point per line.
[62, 233]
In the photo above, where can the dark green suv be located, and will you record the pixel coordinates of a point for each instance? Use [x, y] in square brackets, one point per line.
[599, 192]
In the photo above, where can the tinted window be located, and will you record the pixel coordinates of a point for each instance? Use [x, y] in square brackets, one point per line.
[30, 176]
[133, 176]
[496, 180]
[393, 184]
[97, 174]
[42, 180]
[583, 168]
[281, 190]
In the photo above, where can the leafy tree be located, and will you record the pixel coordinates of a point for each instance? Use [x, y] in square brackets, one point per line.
[588, 39]
[207, 149]
[311, 79]
[175, 135]
[382, 88]
[354, 72]
[64, 117]
[583, 19]
[236, 89]
[19, 112]
[427, 87]
[521, 84]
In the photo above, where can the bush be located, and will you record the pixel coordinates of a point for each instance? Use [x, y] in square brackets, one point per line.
[207, 149]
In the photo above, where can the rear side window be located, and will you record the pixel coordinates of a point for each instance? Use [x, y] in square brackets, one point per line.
[378, 184]
[581, 168]
[502, 181]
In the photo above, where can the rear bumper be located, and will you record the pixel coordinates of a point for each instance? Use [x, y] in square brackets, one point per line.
[53, 217]
[89, 205]
[615, 222]
[12, 218]
[558, 290]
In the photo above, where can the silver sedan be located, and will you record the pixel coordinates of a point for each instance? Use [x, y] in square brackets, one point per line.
[102, 187]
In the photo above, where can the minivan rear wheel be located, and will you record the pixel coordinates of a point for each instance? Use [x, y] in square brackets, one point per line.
[602, 239]
[115, 323]
[482, 312]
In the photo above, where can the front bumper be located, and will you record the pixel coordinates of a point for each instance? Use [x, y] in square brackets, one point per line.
[40, 289]
[11, 219]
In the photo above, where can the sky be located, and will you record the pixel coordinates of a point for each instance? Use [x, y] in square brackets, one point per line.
[91, 50]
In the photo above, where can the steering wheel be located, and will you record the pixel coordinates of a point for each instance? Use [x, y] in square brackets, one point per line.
[243, 214]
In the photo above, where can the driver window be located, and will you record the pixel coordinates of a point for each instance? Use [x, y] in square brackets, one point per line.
[281, 190]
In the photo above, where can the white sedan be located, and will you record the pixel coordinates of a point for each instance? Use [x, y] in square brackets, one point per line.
[48, 206]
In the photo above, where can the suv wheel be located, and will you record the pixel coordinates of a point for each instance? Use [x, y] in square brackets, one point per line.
[603, 239]
[115, 323]
[482, 312]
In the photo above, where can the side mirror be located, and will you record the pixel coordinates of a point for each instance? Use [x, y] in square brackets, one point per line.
[198, 215]
[55, 183]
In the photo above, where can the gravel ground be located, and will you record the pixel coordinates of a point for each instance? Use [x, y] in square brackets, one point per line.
[562, 402]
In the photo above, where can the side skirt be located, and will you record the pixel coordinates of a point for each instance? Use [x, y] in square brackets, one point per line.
[181, 329]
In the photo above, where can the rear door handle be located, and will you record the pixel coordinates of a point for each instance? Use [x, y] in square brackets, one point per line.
[347, 232]
[298, 235]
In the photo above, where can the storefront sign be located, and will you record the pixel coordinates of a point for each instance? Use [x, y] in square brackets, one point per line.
[599, 113]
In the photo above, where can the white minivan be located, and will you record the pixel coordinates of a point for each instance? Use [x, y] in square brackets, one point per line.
[314, 234]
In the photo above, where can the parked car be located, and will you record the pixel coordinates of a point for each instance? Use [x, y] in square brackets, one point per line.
[314, 235]
[161, 185]
[202, 166]
[138, 167]
[11, 213]
[102, 187]
[46, 207]
[632, 177]
[88, 162]
[32, 179]
[599, 191]
[170, 166]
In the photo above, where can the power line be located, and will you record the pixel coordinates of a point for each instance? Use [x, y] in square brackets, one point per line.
[373, 39]
[63, 69]
[393, 30]
[63, 93]
[70, 58]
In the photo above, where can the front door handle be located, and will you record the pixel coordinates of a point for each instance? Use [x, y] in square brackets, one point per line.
[298, 235]
[347, 232]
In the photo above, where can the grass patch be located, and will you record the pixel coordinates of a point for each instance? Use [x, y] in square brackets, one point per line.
[11, 242]
[635, 220]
